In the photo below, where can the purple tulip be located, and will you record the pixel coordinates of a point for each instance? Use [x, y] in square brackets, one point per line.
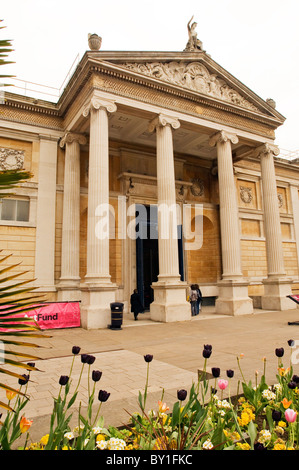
[103, 395]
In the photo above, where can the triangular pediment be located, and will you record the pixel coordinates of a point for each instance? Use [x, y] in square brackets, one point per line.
[193, 76]
[193, 72]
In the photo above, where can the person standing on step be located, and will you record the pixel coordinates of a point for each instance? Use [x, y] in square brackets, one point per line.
[199, 299]
[136, 305]
[193, 297]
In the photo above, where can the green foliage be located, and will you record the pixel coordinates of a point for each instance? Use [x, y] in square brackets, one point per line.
[192, 424]
[5, 49]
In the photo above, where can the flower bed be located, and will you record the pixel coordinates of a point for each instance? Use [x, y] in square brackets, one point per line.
[261, 417]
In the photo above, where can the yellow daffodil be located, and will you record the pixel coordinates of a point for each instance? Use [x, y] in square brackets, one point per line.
[282, 424]
[44, 440]
[242, 446]
[279, 446]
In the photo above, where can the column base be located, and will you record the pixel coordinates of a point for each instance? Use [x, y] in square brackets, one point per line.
[275, 294]
[170, 304]
[233, 298]
[95, 305]
[68, 290]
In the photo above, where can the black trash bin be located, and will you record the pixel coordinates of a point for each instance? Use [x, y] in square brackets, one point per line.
[117, 309]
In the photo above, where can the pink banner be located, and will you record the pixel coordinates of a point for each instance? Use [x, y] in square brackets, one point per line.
[295, 298]
[54, 315]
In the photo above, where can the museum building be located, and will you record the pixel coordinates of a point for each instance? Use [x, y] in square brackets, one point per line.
[133, 132]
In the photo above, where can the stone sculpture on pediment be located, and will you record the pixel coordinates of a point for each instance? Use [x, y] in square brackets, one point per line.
[194, 76]
[193, 44]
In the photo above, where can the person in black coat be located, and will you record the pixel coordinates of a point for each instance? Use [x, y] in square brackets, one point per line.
[136, 305]
[199, 299]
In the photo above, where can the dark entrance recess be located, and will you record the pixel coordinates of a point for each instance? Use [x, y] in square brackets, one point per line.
[147, 258]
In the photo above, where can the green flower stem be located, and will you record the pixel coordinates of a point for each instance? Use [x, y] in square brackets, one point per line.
[90, 403]
[179, 433]
[79, 378]
[94, 423]
[146, 386]
[88, 377]
[202, 375]
[229, 383]
[72, 365]
[26, 440]
[238, 360]
[265, 368]
[59, 393]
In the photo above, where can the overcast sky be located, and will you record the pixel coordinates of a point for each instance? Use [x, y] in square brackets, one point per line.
[257, 41]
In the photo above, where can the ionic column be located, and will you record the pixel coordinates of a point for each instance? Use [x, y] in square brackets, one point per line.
[294, 191]
[98, 291]
[169, 292]
[276, 286]
[233, 289]
[271, 211]
[98, 189]
[167, 218]
[70, 250]
[229, 219]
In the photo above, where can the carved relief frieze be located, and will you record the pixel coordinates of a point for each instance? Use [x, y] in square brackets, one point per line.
[194, 76]
[11, 159]
[197, 189]
[246, 194]
[280, 200]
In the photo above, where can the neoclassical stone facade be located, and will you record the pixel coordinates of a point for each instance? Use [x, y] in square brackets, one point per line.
[166, 131]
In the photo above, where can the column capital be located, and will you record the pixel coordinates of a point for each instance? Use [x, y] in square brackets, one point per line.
[70, 137]
[222, 137]
[266, 149]
[163, 120]
[97, 103]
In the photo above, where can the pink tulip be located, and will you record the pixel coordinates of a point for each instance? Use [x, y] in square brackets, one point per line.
[222, 384]
[290, 415]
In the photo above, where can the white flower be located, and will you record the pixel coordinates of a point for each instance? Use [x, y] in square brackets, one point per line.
[264, 436]
[116, 444]
[279, 430]
[69, 435]
[268, 395]
[97, 430]
[77, 429]
[102, 445]
[207, 445]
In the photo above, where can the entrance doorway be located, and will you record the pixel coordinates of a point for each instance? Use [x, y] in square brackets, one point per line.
[147, 252]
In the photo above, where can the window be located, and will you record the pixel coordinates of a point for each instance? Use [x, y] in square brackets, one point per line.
[14, 209]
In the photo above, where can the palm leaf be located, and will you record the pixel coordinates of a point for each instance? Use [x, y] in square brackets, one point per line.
[15, 298]
[10, 178]
[6, 406]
